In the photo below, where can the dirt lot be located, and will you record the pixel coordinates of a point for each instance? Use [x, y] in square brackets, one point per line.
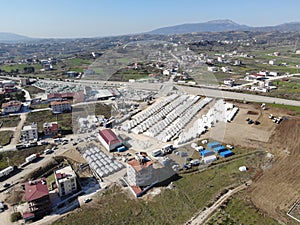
[279, 187]
[240, 133]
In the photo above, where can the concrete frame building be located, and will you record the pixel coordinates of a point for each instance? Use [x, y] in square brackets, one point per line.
[65, 179]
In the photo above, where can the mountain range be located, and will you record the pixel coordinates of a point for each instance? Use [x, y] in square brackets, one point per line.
[220, 26]
[11, 37]
[210, 26]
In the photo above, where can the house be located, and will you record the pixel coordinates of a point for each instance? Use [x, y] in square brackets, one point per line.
[109, 139]
[272, 62]
[11, 107]
[37, 197]
[30, 132]
[24, 81]
[60, 107]
[72, 74]
[212, 69]
[275, 74]
[50, 128]
[65, 180]
[229, 82]
[140, 171]
[237, 62]
[225, 69]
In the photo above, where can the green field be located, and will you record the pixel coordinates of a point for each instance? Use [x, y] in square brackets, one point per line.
[33, 90]
[295, 109]
[5, 137]
[20, 67]
[239, 212]
[191, 193]
[16, 158]
[10, 121]
[64, 120]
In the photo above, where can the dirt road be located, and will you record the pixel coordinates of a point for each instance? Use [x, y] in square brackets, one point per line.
[201, 217]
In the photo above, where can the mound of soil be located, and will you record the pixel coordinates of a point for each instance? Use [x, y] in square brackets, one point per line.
[279, 187]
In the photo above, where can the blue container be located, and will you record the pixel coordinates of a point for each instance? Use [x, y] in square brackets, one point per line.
[226, 154]
[220, 149]
[121, 149]
[206, 152]
[213, 144]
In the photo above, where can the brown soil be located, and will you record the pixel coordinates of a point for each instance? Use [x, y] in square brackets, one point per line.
[279, 187]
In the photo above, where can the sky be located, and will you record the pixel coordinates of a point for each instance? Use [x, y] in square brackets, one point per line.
[97, 18]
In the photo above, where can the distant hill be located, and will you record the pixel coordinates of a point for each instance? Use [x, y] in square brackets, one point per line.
[11, 37]
[220, 26]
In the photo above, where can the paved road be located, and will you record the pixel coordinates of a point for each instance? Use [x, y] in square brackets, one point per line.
[193, 90]
[238, 96]
[204, 215]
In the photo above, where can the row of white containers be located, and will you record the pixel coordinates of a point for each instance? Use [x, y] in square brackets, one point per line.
[148, 112]
[221, 111]
[184, 105]
[100, 163]
[158, 118]
[185, 117]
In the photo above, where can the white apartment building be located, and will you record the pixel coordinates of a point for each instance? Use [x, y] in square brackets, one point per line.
[60, 107]
[30, 132]
[139, 173]
[65, 179]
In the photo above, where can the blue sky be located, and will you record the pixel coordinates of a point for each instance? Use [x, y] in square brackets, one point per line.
[91, 18]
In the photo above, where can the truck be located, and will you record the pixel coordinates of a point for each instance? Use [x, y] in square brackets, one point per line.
[6, 171]
[32, 157]
[48, 151]
[157, 152]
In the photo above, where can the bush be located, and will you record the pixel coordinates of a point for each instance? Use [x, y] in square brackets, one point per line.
[15, 216]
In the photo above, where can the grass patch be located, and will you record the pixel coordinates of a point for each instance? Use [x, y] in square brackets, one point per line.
[10, 121]
[33, 90]
[240, 212]
[5, 137]
[16, 158]
[103, 109]
[191, 193]
[64, 120]
[14, 217]
[295, 109]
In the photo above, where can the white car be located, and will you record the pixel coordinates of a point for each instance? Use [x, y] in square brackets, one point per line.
[87, 200]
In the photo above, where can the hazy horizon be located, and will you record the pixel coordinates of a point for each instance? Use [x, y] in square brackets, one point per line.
[66, 19]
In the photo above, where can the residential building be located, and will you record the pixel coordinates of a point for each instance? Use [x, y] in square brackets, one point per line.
[65, 180]
[140, 171]
[72, 74]
[50, 128]
[229, 82]
[37, 197]
[11, 107]
[109, 139]
[272, 62]
[60, 107]
[212, 69]
[30, 132]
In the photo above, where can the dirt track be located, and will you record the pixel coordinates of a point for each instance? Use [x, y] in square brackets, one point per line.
[278, 188]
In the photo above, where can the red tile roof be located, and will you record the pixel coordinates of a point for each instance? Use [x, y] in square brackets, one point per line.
[11, 103]
[59, 103]
[136, 189]
[109, 137]
[35, 190]
[138, 166]
[28, 215]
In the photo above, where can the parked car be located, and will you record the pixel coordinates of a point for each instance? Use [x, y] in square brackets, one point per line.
[87, 200]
